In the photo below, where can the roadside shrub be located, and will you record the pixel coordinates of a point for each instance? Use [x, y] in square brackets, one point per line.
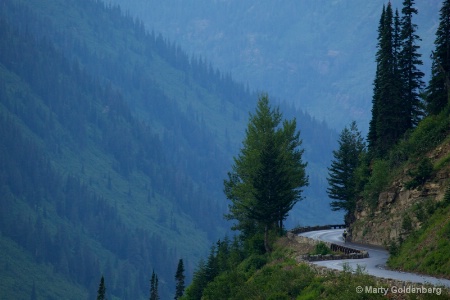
[322, 249]
[394, 248]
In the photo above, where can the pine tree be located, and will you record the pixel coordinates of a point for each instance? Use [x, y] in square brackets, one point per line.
[437, 92]
[101, 293]
[341, 174]
[211, 267]
[409, 62]
[372, 134]
[179, 279]
[199, 282]
[388, 112]
[389, 107]
[268, 175]
[154, 287]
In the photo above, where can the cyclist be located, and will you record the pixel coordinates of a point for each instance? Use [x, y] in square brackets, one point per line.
[344, 235]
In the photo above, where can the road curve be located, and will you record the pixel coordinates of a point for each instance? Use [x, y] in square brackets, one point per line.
[374, 265]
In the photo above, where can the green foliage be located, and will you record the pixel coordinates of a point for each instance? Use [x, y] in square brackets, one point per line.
[179, 280]
[346, 284]
[268, 175]
[430, 132]
[85, 178]
[276, 276]
[101, 293]
[154, 294]
[223, 260]
[377, 181]
[409, 61]
[393, 248]
[396, 104]
[407, 224]
[423, 172]
[446, 231]
[447, 196]
[342, 173]
[322, 249]
[437, 93]
[427, 250]
[224, 286]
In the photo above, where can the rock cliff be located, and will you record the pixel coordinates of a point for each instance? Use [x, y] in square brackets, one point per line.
[399, 209]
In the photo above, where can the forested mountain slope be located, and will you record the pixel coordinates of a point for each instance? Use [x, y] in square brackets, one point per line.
[316, 54]
[114, 146]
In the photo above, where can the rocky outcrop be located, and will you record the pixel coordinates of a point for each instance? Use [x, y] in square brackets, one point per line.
[395, 214]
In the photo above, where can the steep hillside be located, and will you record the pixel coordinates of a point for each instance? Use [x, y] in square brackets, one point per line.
[85, 187]
[199, 113]
[407, 210]
[114, 146]
[316, 54]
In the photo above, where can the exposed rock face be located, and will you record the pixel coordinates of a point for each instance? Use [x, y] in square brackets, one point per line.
[386, 222]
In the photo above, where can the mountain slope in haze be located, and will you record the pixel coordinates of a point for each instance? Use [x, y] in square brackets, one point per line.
[114, 145]
[183, 91]
[319, 55]
[76, 200]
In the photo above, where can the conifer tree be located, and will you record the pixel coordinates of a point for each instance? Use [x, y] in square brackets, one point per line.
[437, 93]
[372, 134]
[101, 293]
[179, 279]
[389, 120]
[392, 110]
[199, 282]
[341, 174]
[409, 61]
[154, 287]
[268, 175]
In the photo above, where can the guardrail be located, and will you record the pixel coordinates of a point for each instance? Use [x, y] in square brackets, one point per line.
[298, 230]
[344, 251]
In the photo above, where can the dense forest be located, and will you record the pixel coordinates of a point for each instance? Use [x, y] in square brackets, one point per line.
[114, 147]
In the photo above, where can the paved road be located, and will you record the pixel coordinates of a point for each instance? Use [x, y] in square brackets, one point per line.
[374, 265]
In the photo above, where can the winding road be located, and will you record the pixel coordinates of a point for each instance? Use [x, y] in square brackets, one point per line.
[374, 265]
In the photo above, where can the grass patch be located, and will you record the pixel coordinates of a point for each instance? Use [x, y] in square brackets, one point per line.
[427, 250]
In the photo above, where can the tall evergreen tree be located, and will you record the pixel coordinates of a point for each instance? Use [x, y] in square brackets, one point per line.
[341, 174]
[101, 293]
[388, 122]
[372, 134]
[268, 175]
[179, 279]
[437, 92]
[389, 112]
[154, 287]
[409, 61]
